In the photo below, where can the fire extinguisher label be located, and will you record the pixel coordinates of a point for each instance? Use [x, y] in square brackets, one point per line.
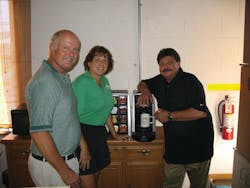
[228, 108]
[228, 120]
[229, 130]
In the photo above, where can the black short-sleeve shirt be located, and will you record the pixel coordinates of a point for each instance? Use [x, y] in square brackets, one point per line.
[185, 141]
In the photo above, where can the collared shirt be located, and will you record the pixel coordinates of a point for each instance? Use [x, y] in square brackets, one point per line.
[94, 102]
[52, 108]
[185, 141]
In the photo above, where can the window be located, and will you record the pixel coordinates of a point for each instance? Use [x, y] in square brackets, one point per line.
[5, 46]
[15, 59]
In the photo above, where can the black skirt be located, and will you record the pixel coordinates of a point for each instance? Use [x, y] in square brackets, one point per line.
[96, 138]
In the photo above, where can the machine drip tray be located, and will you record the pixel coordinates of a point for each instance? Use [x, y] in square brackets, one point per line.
[143, 137]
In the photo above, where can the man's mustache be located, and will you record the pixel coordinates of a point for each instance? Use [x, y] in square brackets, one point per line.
[166, 70]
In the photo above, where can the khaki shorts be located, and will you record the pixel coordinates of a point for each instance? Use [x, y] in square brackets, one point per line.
[43, 174]
[197, 174]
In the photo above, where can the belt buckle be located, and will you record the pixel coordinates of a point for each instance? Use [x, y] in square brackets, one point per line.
[68, 157]
[40, 158]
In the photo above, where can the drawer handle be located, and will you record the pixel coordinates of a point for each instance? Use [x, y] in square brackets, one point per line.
[144, 152]
[25, 152]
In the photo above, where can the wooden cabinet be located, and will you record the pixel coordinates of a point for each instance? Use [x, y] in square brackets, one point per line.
[144, 166]
[241, 171]
[134, 164]
[17, 150]
[144, 174]
[241, 166]
[246, 56]
[244, 111]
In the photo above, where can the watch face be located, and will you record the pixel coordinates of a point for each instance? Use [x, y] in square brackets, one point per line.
[170, 117]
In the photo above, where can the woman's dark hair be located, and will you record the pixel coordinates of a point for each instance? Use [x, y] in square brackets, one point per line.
[168, 52]
[99, 50]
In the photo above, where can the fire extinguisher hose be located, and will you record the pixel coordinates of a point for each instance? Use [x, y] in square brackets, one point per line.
[219, 115]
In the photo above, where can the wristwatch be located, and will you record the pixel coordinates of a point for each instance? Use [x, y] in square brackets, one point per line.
[170, 116]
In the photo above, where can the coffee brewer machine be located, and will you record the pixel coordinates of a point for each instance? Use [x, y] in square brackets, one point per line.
[143, 121]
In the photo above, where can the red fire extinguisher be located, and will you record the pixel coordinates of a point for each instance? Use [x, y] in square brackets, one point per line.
[226, 118]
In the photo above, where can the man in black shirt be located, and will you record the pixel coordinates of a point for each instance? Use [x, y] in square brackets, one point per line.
[187, 122]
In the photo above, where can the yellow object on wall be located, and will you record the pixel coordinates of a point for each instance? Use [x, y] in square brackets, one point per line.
[226, 87]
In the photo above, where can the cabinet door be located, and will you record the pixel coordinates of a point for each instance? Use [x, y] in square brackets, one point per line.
[241, 171]
[144, 166]
[111, 176]
[244, 111]
[146, 174]
[18, 173]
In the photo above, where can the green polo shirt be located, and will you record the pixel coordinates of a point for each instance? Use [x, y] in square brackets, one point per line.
[94, 102]
[52, 108]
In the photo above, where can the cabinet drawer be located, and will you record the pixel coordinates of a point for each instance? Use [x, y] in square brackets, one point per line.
[116, 152]
[144, 152]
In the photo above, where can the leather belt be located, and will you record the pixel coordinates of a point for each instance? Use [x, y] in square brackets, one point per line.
[65, 158]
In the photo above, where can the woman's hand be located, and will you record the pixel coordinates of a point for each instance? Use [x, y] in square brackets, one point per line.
[84, 160]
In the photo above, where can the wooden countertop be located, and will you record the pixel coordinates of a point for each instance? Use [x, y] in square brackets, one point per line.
[12, 138]
[158, 140]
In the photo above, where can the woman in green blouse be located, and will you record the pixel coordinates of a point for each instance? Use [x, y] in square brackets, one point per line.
[95, 103]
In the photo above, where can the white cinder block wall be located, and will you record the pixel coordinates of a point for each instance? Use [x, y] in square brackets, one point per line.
[208, 34]
[111, 23]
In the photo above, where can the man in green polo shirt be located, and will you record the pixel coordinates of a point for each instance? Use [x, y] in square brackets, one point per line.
[54, 124]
